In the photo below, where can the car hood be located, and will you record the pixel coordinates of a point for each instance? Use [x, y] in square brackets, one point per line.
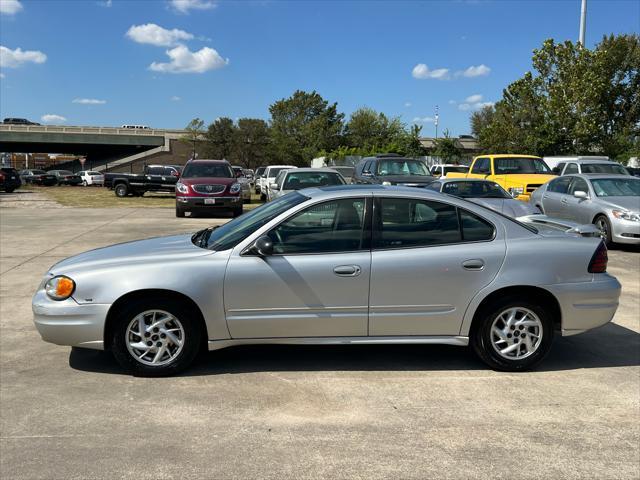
[407, 179]
[507, 206]
[631, 204]
[141, 251]
[208, 181]
[522, 179]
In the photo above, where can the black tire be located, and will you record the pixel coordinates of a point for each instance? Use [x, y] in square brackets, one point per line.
[263, 197]
[121, 190]
[603, 223]
[236, 212]
[9, 189]
[193, 338]
[179, 212]
[481, 335]
[84, 183]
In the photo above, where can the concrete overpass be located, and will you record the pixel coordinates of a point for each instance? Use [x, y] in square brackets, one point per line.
[104, 147]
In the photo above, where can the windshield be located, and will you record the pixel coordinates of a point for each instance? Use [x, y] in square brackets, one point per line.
[507, 166]
[64, 172]
[298, 181]
[260, 171]
[604, 168]
[38, 172]
[230, 234]
[475, 190]
[616, 187]
[460, 169]
[204, 170]
[273, 172]
[94, 174]
[402, 167]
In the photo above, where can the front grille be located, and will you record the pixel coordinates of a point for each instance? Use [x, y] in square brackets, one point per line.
[209, 189]
[532, 187]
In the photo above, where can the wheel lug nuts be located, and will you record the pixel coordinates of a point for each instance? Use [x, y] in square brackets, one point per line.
[513, 327]
[146, 334]
[162, 335]
[159, 344]
[155, 330]
[149, 344]
[516, 340]
[521, 327]
[154, 338]
[509, 335]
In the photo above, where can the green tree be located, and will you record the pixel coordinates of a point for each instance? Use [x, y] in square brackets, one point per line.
[447, 148]
[576, 101]
[220, 138]
[252, 142]
[194, 134]
[368, 129]
[302, 125]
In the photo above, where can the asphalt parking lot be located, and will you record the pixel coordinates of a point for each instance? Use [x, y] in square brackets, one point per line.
[301, 412]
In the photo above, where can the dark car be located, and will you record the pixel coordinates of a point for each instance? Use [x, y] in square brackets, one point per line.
[154, 178]
[392, 169]
[9, 179]
[38, 177]
[18, 121]
[207, 186]
[65, 177]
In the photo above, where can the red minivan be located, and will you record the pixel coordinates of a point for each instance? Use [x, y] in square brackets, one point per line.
[208, 186]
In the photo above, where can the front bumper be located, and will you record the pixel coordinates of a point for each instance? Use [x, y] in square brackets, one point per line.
[68, 323]
[197, 203]
[625, 231]
[587, 305]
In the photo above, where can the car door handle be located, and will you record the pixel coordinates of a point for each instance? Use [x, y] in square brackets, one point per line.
[347, 270]
[564, 200]
[473, 264]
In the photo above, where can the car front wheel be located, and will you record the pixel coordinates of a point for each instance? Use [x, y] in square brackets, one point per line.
[156, 337]
[603, 224]
[121, 190]
[513, 335]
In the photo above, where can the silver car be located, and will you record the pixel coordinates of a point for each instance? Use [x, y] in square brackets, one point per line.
[484, 192]
[300, 178]
[342, 265]
[611, 202]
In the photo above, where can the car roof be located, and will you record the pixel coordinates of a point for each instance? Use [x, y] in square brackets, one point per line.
[596, 176]
[455, 179]
[204, 160]
[311, 169]
[281, 166]
[507, 155]
[592, 160]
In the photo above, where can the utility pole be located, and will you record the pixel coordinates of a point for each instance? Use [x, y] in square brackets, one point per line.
[583, 22]
[435, 122]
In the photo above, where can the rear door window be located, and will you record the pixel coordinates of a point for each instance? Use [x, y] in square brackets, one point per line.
[559, 185]
[571, 168]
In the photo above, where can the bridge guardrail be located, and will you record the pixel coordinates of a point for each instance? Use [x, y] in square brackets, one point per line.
[89, 130]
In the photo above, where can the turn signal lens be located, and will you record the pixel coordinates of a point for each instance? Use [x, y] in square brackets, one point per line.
[598, 263]
[60, 287]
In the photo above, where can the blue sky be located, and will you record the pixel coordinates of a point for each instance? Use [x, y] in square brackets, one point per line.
[235, 58]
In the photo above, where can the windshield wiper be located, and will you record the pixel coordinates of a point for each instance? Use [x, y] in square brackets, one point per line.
[201, 237]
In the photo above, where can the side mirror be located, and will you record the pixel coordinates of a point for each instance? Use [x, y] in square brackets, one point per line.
[263, 246]
[274, 186]
[580, 194]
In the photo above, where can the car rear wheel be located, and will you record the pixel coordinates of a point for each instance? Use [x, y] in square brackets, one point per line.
[121, 190]
[512, 335]
[156, 337]
[602, 222]
[179, 212]
[9, 189]
[84, 183]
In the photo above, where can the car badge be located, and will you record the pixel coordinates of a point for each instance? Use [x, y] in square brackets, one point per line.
[209, 188]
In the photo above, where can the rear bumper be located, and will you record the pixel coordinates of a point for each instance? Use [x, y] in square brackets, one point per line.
[587, 305]
[197, 203]
[69, 323]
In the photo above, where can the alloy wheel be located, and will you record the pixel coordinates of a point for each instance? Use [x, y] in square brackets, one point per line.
[516, 333]
[155, 337]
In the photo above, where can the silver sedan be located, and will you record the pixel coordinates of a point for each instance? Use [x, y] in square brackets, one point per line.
[611, 202]
[341, 265]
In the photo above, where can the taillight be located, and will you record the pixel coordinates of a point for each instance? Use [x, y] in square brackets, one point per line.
[598, 263]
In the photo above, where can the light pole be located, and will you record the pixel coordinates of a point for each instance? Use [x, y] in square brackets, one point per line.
[435, 122]
[583, 22]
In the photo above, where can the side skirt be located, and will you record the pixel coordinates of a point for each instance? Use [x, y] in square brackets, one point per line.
[426, 340]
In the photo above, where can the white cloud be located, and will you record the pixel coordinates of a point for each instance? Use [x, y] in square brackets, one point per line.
[424, 120]
[2, 75]
[422, 72]
[474, 98]
[175, 98]
[156, 35]
[10, 7]
[106, 3]
[407, 104]
[184, 60]
[15, 58]
[452, 102]
[52, 118]
[183, 6]
[89, 101]
[476, 71]
[474, 106]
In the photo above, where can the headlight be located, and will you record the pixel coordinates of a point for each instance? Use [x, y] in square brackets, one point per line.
[182, 188]
[235, 188]
[632, 217]
[516, 191]
[60, 287]
[386, 183]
